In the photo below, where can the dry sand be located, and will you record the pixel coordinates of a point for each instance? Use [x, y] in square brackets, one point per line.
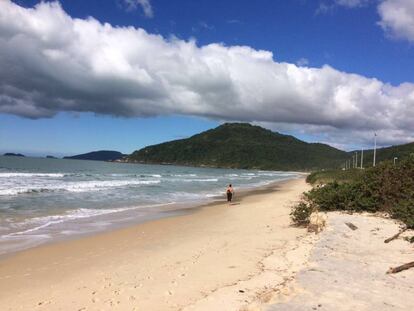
[347, 269]
[220, 257]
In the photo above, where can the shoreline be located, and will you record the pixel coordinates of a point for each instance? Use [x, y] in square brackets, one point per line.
[138, 215]
[165, 264]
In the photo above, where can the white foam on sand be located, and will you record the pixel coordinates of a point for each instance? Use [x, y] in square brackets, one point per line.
[38, 223]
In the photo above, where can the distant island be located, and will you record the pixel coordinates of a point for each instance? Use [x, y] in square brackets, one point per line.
[102, 155]
[10, 154]
[50, 157]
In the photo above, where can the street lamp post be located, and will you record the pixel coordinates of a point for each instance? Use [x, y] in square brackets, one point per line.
[375, 148]
[362, 158]
[356, 159]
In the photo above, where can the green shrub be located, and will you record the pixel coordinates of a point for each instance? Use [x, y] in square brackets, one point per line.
[340, 176]
[386, 188]
[405, 212]
[300, 213]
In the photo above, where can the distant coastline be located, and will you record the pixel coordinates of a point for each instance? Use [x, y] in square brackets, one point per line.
[10, 154]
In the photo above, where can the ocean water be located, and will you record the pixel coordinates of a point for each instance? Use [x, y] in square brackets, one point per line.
[42, 200]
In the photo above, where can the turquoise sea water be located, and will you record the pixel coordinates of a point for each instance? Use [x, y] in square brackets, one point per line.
[46, 199]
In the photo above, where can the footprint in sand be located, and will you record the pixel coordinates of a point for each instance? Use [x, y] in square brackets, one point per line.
[42, 303]
[169, 293]
[112, 303]
[107, 285]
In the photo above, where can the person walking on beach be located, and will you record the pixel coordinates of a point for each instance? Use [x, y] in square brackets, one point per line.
[229, 193]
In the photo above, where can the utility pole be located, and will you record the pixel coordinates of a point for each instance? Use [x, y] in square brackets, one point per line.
[356, 159]
[362, 158]
[375, 148]
[353, 161]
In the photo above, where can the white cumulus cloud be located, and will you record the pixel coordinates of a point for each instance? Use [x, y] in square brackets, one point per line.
[397, 18]
[51, 62]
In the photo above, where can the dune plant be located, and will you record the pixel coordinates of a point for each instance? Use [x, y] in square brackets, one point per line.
[387, 188]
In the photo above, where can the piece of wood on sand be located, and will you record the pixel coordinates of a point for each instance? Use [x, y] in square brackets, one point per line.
[395, 236]
[401, 268]
[351, 225]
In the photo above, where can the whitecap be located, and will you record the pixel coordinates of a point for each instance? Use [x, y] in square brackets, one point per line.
[15, 174]
[83, 186]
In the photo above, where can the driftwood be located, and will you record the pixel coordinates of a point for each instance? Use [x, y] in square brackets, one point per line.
[401, 268]
[351, 225]
[395, 236]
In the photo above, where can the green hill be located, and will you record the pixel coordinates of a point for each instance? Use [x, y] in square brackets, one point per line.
[387, 153]
[241, 145]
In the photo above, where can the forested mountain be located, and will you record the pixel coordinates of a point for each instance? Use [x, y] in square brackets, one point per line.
[242, 145]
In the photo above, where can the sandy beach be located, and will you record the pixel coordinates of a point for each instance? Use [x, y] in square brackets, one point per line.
[218, 257]
[244, 256]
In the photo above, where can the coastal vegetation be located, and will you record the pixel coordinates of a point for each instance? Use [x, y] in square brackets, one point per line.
[387, 188]
[340, 176]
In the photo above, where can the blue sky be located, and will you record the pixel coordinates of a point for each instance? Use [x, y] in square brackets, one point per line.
[352, 37]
